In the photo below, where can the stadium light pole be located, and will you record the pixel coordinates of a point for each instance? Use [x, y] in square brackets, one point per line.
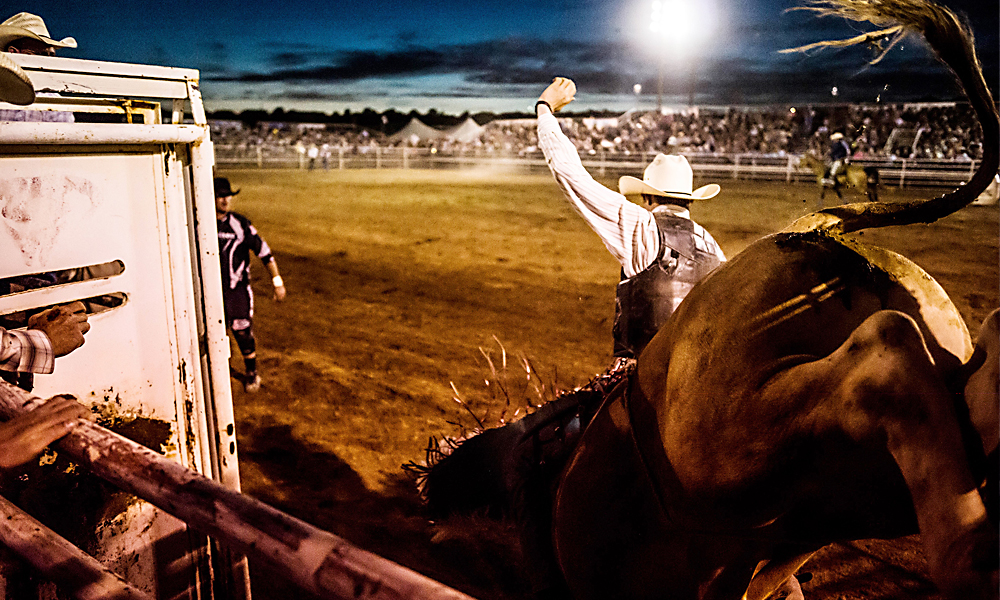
[658, 25]
[680, 29]
[659, 87]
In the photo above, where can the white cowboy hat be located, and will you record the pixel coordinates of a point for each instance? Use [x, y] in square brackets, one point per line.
[15, 87]
[27, 25]
[669, 176]
[836, 136]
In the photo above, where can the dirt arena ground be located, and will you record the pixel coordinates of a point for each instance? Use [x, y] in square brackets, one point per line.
[401, 283]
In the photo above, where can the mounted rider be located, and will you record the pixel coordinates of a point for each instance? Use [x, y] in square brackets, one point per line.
[840, 155]
[663, 253]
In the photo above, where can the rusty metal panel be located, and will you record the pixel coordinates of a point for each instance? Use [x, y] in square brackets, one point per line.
[131, 208]
[139, 364]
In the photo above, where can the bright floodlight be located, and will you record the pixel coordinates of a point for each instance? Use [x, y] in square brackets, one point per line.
[680, 24]
[637, 88]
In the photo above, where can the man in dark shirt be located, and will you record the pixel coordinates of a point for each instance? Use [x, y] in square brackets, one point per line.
[237, 239]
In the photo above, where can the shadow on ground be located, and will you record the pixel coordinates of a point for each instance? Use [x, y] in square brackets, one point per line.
[315, 485]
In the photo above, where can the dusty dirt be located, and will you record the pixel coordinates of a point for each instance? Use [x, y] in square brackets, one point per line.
[401, 283]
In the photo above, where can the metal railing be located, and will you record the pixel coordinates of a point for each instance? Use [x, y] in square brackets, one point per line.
[899, 172]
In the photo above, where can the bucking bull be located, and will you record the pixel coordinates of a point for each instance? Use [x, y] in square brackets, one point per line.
[809, 391]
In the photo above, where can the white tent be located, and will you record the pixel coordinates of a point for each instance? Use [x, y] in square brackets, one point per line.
[468, 131]
[416, 131]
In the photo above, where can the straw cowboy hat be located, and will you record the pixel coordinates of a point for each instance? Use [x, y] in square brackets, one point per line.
[669, 176]
[15, 87]
[27, 25]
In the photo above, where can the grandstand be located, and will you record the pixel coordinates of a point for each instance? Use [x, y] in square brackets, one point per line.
[914, 144]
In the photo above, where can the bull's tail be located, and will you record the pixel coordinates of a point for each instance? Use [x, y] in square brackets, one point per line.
[952, 40]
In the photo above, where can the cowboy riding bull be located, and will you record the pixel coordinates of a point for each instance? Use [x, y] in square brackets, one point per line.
[811, 390]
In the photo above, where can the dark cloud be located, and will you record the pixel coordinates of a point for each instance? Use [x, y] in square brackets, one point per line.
[217, 61]
[505, 66]
[496, 61]
[743, 84]
[910, 69]
[289, 60]
[346, 66]
[316, 95]
[159, 55]
[471, 93]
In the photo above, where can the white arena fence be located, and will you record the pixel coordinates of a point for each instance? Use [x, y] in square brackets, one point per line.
[898, 172]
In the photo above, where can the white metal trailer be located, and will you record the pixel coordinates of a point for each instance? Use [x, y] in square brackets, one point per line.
[116, 207]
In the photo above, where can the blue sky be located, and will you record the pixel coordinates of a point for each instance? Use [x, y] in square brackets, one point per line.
[485, 55]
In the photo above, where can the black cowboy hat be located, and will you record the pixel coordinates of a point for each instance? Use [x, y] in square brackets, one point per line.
[222, 188]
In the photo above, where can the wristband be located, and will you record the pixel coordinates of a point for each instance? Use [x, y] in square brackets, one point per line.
[546, 104]
[276, 280]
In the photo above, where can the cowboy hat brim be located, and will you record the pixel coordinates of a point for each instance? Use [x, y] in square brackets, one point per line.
[15, 86]
[9, 34]
[628, 185]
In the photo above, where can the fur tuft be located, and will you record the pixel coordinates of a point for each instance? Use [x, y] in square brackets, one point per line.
[465, 476]
[481, 473]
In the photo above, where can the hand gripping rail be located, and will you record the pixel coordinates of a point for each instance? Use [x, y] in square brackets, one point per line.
[316, 560]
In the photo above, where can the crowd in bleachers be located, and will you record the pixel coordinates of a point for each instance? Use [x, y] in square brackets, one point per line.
[930, 131]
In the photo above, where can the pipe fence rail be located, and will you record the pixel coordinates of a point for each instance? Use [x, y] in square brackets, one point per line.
[899, 172]
[315, 560]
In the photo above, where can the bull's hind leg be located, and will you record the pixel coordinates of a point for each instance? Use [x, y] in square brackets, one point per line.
[982, 396]
[882, 387]
[982, 390]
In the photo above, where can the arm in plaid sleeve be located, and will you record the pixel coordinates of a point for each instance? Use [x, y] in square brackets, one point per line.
[28, 351]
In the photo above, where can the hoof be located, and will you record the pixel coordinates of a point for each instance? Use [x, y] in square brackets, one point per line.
[790, 590]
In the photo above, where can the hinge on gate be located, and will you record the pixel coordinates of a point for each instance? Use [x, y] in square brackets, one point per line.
[167, 157]
[128, 108]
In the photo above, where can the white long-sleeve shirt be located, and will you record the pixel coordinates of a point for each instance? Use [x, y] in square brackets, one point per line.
[628, 230]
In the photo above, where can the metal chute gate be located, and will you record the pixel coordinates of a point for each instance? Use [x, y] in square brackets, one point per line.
[109, 199]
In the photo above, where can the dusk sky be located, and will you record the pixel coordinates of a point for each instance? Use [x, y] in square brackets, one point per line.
[486, 55]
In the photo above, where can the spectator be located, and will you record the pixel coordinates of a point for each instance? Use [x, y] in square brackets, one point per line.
[324, 153]
[25, 33]
[313, 154]
[763, 131]
[237, 239]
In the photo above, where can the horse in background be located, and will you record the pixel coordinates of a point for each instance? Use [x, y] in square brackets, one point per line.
[864, 179]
